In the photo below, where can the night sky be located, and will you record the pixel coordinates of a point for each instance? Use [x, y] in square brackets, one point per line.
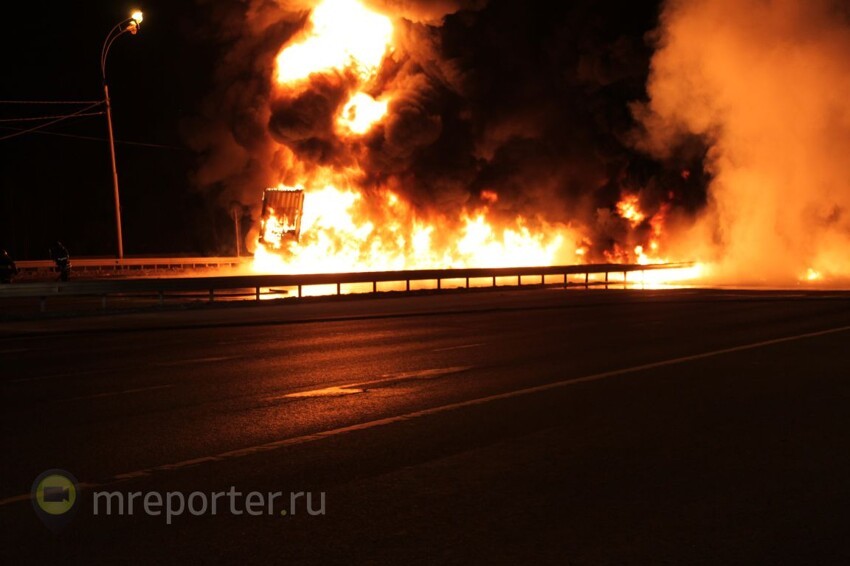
[59, 187]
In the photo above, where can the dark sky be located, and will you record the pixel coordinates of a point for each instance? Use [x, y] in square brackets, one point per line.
[60, 187]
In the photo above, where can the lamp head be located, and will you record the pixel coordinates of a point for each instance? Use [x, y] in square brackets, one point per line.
[135, 22]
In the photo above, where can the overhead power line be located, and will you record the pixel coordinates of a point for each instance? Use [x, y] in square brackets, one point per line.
[49, 101]
[95, 138]
[38, 118]
[50, 123]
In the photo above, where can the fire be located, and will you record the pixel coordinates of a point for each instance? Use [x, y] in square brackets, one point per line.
[342, 35]
[361, 112]
[344, 227]
[489, 196]
[649, 250]
[757, 81]
[342, 231]
[274, 228]
[485, 246]
[674, 276]
[629, 208]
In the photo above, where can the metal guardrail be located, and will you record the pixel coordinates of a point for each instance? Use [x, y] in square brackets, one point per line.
[256, 283]
[141, 263]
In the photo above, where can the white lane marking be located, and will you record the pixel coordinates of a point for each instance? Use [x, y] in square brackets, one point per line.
[197, 361]
[113, 393]
[277, 444]
[457, 347]
[326, 392]
[361, 386]
[416, 374]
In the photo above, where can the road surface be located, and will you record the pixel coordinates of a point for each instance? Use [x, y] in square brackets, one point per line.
[510, 427]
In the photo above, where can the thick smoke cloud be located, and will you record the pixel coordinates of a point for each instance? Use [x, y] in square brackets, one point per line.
[767, 85]
[504, 96]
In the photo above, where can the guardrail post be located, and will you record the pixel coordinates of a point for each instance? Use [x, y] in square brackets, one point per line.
[565, 280]
[586, 280]
[374, 286]
[257, 293]
[542, 280]
[494, 281]
[439, 285]
[625, 279]
[407, 285]
[338, 289]
[519, 280]
[606, 279]
[299, 291]
[467, 282]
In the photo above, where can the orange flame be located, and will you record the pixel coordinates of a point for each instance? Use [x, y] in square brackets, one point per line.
[274, 229]
[342, 35]
[343, 231]
[344, 228]
[361, 112]
[629, 208]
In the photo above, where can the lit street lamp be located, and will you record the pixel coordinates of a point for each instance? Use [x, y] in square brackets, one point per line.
[130, 25]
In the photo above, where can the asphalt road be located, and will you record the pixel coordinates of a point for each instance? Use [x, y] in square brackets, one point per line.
[524, 427]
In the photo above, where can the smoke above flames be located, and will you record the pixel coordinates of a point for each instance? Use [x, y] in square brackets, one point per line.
[767, 85]
[713, 130]
[473, 99]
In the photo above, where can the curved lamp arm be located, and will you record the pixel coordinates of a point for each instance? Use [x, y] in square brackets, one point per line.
[130, 25]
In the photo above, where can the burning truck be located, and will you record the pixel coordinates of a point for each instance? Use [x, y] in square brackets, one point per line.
[281, 216]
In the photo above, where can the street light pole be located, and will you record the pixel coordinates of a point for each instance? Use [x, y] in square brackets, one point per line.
[114, 173]
[130, 25]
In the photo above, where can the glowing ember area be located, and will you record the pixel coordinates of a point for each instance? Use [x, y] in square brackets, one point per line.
[342, 35]
[361, 112]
